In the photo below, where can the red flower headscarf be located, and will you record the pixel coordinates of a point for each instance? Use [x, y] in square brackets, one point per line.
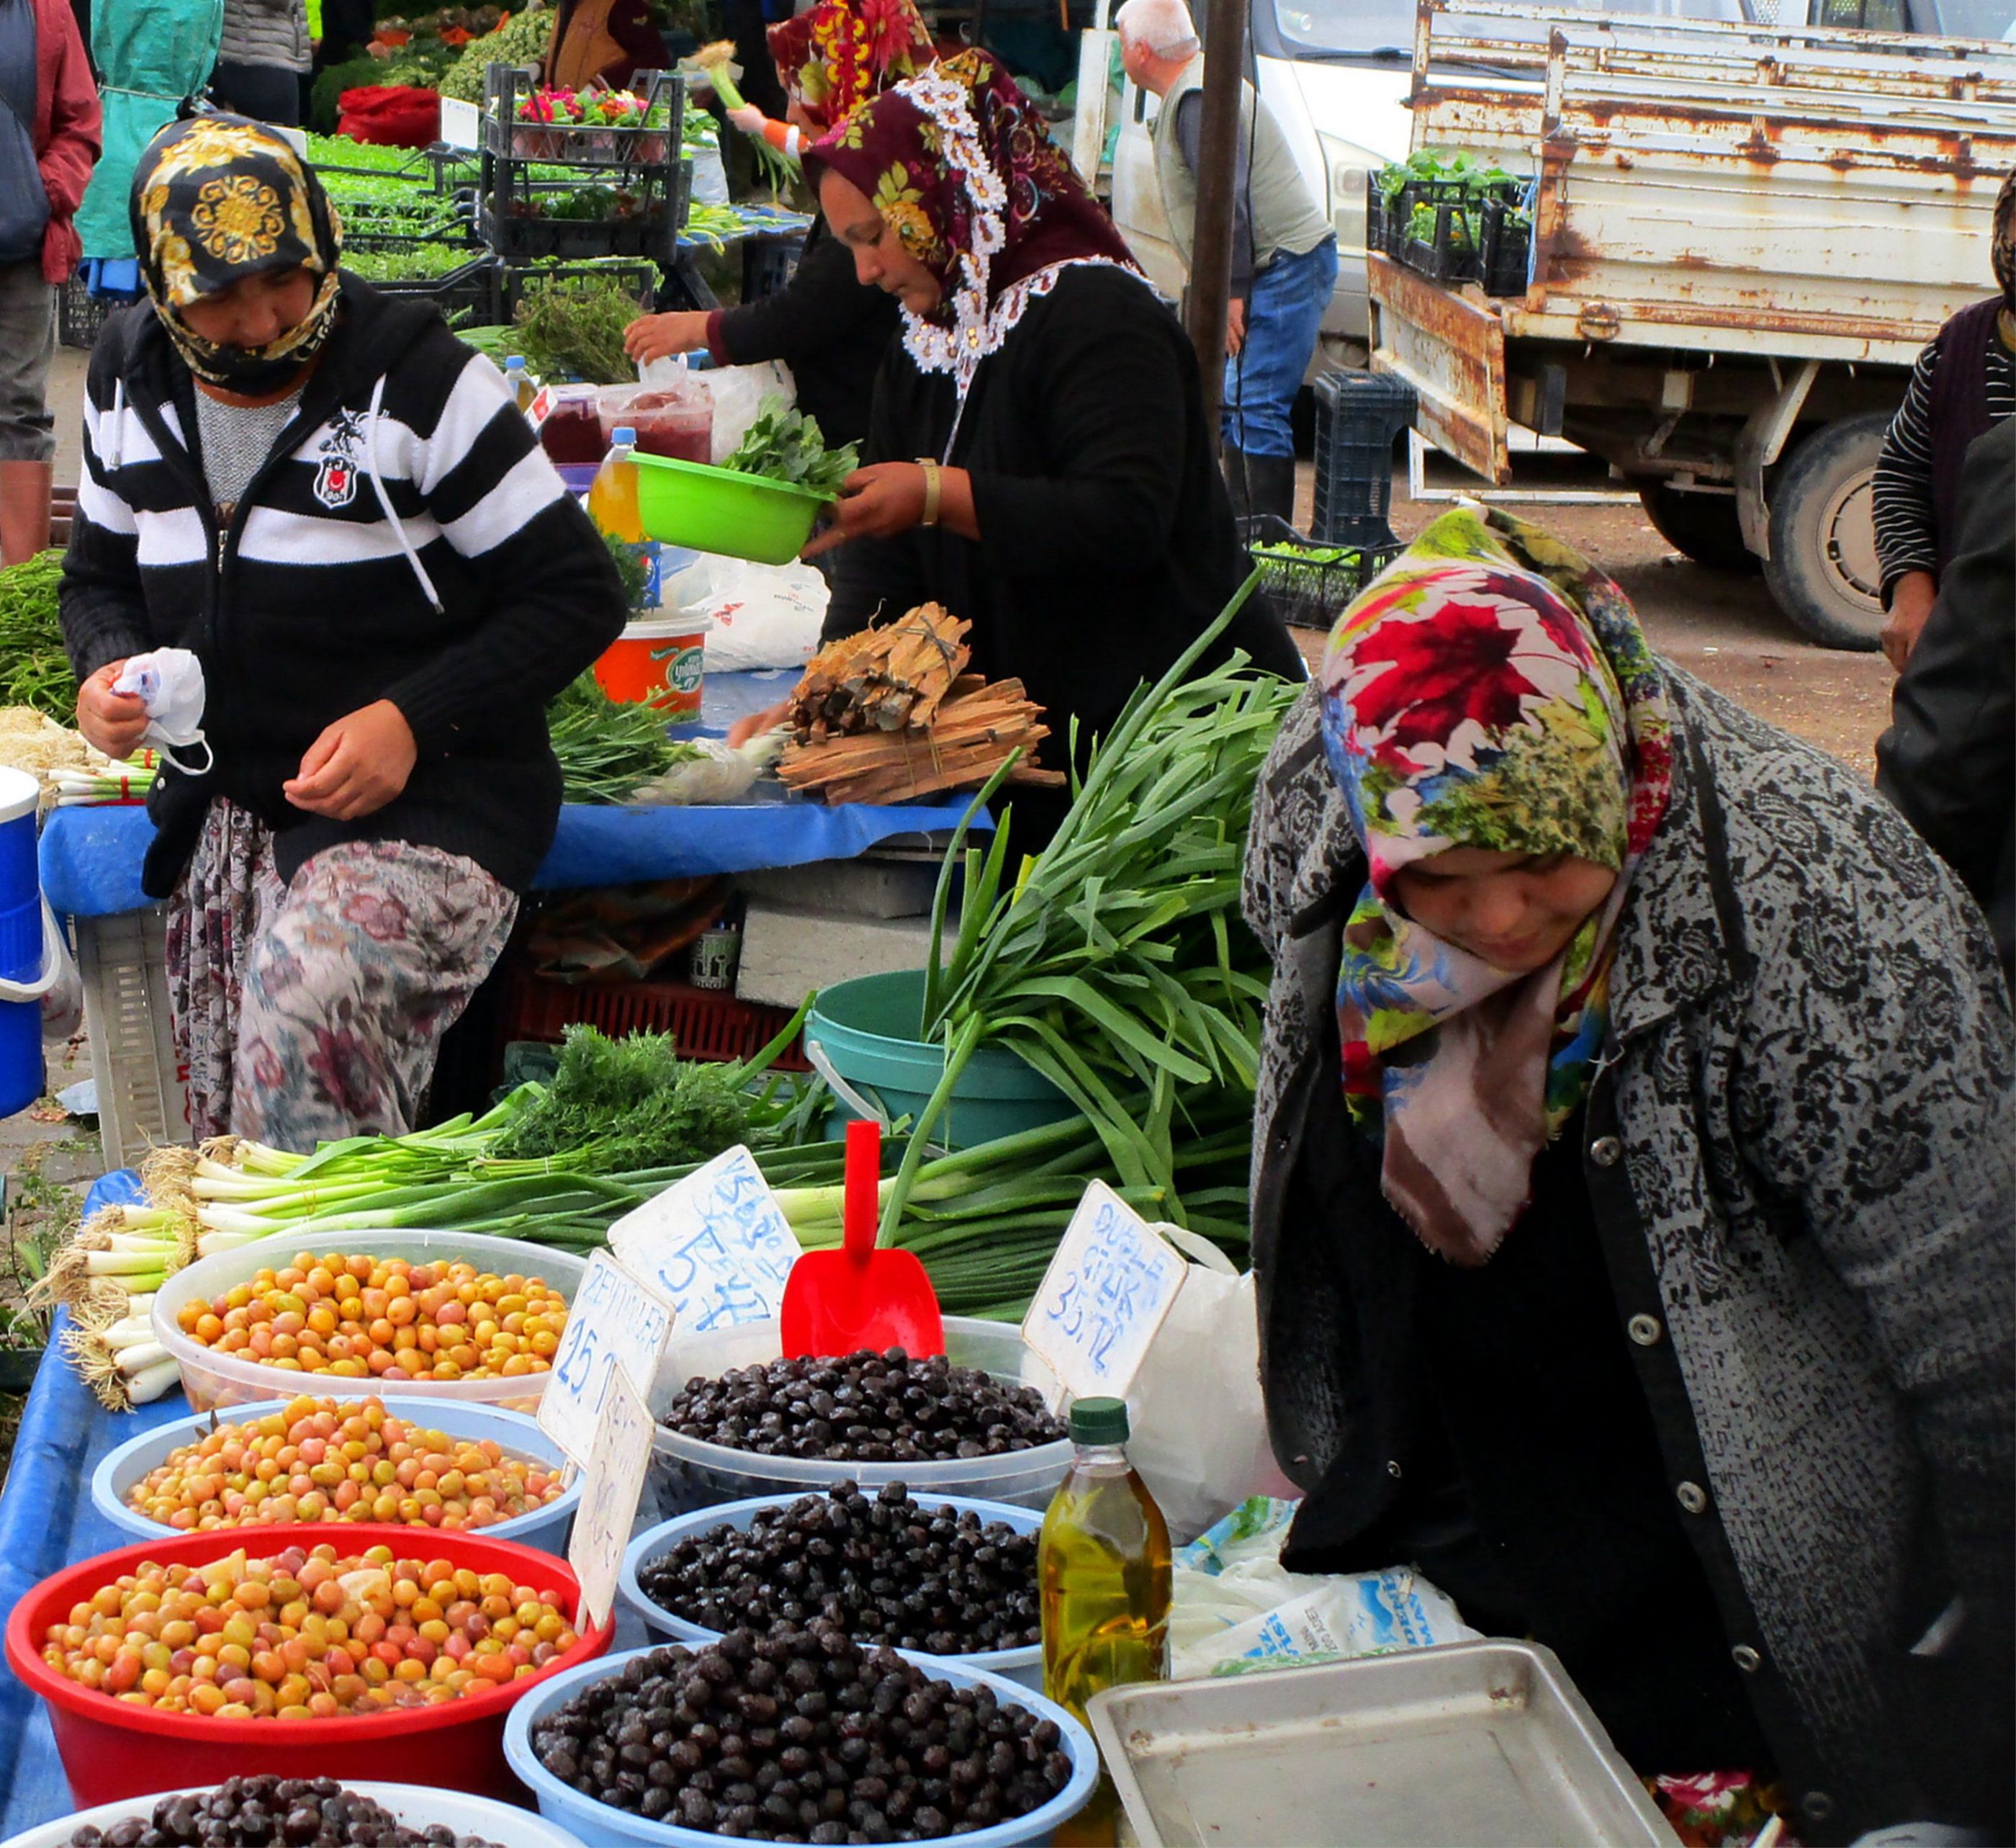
[832, 59]
[965, 171]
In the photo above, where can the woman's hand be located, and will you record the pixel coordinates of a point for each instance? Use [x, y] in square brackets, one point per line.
[749, 119]
[757, 723]
[356, 766]
[112, 722]
[876, 503]
[660, 336]
[1911, 599]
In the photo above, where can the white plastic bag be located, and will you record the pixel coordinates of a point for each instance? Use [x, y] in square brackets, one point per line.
[1235, 1609]
[1198, 1421]
[763, 615]
[718, 774]
[57, 988]
[710, 177]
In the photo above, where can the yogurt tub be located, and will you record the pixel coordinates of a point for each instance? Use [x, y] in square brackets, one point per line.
[1024, 1665]
[416, 1805]
[657, 661]
[600, 1825]
[138, 1457]
[689, 1473]
[211, 1378]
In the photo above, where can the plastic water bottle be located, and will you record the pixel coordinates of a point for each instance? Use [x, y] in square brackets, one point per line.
[518, 382]
[612, 505]
[1102, 1567]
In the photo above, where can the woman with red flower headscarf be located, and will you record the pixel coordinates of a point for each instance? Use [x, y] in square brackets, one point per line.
[1634, 1198]
[825, 325]
[1039, 461]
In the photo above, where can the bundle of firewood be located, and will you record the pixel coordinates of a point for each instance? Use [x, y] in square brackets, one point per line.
[881, 679]
[973, 731]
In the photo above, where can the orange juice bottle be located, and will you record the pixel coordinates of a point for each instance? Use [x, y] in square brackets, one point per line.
[612, 505]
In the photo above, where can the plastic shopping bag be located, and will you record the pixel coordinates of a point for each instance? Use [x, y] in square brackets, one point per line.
[762, 615]
[1199, 1423]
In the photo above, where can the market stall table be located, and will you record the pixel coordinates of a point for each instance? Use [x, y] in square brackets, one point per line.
[91, 857]
[47, 1522]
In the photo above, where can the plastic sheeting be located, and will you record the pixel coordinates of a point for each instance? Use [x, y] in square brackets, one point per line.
[149, 55]
[46, 1520]
[91, 857]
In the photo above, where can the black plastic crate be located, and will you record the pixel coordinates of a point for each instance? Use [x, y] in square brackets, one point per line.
[1378, 236]
[768, 264]
[1359, 416]
[1309, 583]
[470, 297]
[1507, 255]
[513, 280]
[80, 313]
[1450, 252]
[506, 137]
[512, 225]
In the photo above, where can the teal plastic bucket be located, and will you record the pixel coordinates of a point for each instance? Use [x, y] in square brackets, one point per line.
[864, 1031]
[24, 947]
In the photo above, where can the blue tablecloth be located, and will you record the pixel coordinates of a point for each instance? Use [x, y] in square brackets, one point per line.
[91, 857]
[47, 1522]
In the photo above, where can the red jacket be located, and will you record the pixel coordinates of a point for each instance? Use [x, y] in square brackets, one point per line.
[66, 130]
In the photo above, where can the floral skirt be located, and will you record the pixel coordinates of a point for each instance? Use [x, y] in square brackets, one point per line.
[312, 1009]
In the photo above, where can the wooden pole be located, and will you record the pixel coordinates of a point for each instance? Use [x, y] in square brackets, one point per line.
[1218, 151]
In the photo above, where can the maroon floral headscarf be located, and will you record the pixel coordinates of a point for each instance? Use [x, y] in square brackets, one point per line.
[832, 59]
[956, 160]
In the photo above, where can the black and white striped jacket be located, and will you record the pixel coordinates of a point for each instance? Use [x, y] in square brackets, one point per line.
[407, 539]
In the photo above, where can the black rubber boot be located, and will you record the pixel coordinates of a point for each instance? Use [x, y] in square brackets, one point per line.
[1270, 485]
[1237, 466]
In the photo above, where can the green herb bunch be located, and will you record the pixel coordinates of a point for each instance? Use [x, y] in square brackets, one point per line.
[787, 446]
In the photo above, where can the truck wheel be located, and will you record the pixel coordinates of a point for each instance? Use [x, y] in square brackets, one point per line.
[1703, 526]
[1823, 569]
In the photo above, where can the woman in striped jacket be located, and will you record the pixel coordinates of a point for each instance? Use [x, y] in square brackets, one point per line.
[335, 505]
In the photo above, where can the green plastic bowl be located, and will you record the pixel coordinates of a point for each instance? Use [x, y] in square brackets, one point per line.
[721, 510]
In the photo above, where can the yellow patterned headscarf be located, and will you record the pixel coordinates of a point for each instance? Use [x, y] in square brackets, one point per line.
[218, 198]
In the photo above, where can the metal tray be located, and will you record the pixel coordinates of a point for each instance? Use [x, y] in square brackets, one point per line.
[1471, 1742]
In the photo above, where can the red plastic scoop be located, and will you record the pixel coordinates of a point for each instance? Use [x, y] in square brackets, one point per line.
[836, 1302]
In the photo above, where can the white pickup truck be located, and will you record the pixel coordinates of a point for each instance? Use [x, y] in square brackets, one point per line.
[1742, 236]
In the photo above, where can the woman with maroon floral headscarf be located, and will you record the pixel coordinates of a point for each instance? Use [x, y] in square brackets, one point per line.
[825, 325]
[1038, 460]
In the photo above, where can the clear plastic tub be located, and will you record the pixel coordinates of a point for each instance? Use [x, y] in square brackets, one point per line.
[1024, 1665]
[599, 1825]
[545, 1528]
[213, 1379]
[668, 421]
[413, 1804]
[688, 1473]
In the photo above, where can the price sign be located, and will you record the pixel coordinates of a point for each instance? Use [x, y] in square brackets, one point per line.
[614, 1322]
[715, 1246]
[461, 123]
[1105, 1294]
[610, 1489]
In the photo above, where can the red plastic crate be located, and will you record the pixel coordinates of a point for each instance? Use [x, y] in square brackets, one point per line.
[707, 1023]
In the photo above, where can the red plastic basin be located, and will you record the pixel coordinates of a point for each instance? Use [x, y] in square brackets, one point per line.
[111, 1748]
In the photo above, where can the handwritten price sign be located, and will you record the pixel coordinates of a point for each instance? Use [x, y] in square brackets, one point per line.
[615, 1322]
[610, 1487]
[1106, 1293]
[715, 1246]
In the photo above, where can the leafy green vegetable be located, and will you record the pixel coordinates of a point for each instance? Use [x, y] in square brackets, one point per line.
[572, 326]
[408, 262]
[787, 446]
[607, 748]
[34, 671]
[629, 1102]
[522, 39]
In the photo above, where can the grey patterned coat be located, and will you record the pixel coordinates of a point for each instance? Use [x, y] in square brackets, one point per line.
[1801, 1158]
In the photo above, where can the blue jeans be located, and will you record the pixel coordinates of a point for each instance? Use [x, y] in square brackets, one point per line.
[1282, 320]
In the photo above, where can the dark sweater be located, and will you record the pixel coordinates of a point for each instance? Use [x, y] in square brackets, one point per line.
[307, 608]
[1106, 544]
[829, 329]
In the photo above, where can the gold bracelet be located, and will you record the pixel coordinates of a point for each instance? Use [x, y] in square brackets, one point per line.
[934, 480]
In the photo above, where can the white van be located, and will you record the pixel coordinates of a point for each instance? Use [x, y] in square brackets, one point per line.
[1336, 74]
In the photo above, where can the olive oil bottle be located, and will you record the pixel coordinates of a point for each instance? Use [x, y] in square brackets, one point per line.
[1102, 1563]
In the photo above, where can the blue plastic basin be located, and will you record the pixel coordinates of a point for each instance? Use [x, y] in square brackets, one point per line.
[545, 1529]
[600, 1826]
[1024, 1665]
